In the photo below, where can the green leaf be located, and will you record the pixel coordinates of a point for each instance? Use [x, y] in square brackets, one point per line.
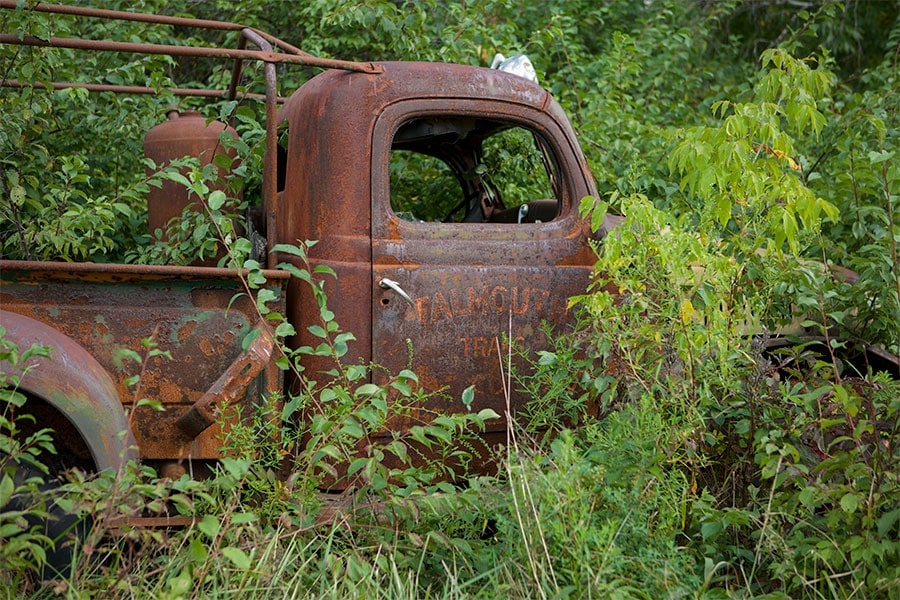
[285, 330]
[887, 521]
[123, 354]
[367, 389]
[223, 161]
[325, 270]
[850, 502]
[487, 413]
[369, 415]
[210, 526]
[546, 358]
[263, 297]
[152, 404]
[290, 249]
[296, 271]
[242, 518]
[251, 337]
[236, 468]
[9, 530]
[176, 177]
[318, 331]
[356, 465]
[238, 557]
[407, 374]
[402, 386]
[353, 428]
[710, 529]
[180, 585]
[328, 451]
[723, 210]
[807, 496]
[356, 372]
[226, 109]
[216, 200]
[7, 488]
[197, 550]
[880, 157]
[468, 396]
[11, 396]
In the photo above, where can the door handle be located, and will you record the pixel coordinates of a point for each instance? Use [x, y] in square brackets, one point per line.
[389, 284]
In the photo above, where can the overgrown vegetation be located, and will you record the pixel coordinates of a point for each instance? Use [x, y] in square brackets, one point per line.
[751, 147]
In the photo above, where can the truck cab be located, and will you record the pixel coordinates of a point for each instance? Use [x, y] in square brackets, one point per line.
[446, 199]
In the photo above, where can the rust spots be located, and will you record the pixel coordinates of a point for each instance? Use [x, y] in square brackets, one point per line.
[184, 332]
[170, 393]
[206, 347]
[84, 330]
[101, 328]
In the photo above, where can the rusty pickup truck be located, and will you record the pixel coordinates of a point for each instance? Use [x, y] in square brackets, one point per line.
[430, 279]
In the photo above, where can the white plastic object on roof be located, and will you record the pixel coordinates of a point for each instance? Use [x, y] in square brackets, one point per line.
[518, 65]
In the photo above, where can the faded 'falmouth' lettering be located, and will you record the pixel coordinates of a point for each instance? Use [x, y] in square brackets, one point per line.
[498, 299]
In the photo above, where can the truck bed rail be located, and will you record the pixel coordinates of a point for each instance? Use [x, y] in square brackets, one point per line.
[266, 53]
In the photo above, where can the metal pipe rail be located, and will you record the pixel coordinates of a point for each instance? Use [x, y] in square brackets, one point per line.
[290, 53]
[266, 44]
[195, 51]
[134, 89]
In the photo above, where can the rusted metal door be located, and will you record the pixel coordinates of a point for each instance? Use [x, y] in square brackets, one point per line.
[472, 282]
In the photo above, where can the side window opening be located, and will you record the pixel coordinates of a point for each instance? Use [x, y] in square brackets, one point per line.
[467, 170]
[423, 187]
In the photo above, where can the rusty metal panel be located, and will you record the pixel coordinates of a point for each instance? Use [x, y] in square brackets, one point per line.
[455, 333]
[193, 313]
[231, 384]
[468, 282]
[332, 166]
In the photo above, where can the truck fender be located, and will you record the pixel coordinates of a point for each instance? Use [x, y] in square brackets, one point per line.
[76, 385]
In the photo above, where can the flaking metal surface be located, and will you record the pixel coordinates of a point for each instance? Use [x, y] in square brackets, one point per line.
[192, 313]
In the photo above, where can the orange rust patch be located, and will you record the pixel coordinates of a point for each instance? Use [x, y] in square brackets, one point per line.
[206, 347]
[170, 393]
[185, 331]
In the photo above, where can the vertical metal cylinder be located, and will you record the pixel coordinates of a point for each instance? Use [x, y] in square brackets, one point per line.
[182, 134]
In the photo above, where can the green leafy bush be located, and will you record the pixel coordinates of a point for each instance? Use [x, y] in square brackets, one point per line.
[787, 451]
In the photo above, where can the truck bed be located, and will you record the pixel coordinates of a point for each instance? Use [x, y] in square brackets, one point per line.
[199, 315]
